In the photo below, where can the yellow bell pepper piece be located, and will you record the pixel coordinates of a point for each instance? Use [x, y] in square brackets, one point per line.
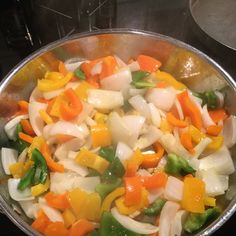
[170, 80]
[46, 85]
[40, 188]
[106, 205]
[55, 109]
[53, 75]
[17, 169]
[37, 142]
[46, 118]
[69, 217]
[85, 205]
[101, 136]
[196, 134]
[165, 126]
[193, 195]
[100, 118]
[92, 160]
[210, 201]
[127, 210]
[82, 90]
[136, 158]
[216, 143]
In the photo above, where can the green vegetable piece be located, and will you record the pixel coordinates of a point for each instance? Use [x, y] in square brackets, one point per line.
[208, 98]
[114, 171]
[27, 179]
[93, 233]
[138, 80]
[107, 153]
[110, 226]
[79, 74]
[92, 172]
[105, 188]
[155, 208]
[195, 221]
[20, 144]
[41, 164]
[177, 166]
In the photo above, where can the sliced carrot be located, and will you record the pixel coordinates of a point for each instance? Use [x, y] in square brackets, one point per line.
[157, 180]
[131, 169]
[23, 108]
[41, 222]
[56, 229]
[53, 166]
[81, 228]
[148, 63]
[218, 115]
[186, 141]
[162, 84]
[109, 66]
[27, 127]
[43, 100]
[62, 69]
[176, 122]
[25, 137]
[214, 130]
[58, 201]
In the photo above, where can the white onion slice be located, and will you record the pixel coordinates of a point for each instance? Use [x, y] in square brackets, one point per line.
[220, 98]
[86, 112]
[154, 194]
[201, 146]
[35, 95]
[229, 131]
[52, 94]
[135, 226]
[155, 115]
[10, 127]
[73, 63]
[134, 92]
[140, 104]
[16, 194]
[134, 66]
[22, 157]
[97, 68]
[53, 214]
[123, 151]
[207, 121]
[177, 224]
[179, 109]
[72, 85]
[9, 157]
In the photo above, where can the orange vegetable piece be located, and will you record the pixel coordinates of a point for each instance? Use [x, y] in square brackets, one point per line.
[43, 100]
[62, 69]
[186, 140]
[25, 137]
[53, 166]
[109, 66]
[62, 138]
[193, 195]
[56, 229]
[175, 122]
[94, 81]
[58, 201]
[157, 180]
[81, 228]
[148, 63]
[133, 190]
[41, 222]
[131, 169]
[161, 84]
[190, 109]
[218, 115]
[27, 127]
[23, 108]
[214, 130]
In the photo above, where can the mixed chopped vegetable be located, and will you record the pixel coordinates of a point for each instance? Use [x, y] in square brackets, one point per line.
[110, 148]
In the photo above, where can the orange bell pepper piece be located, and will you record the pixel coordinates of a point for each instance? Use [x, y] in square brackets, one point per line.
[109, 66]
[23, 108]
[73, 108]
[133, 191]
[193, 195]
[53, 166]
[148, 63]
[214, 130]
[157, 180]
[25, 137]
[41, 222]
[218, 115]
[186, 141]
[131, 169]
[58, 201]
[62, 69]
[81, 228]
[27, 127]
[56, 229]
[94, 81]
[175, 122]
[190, 109]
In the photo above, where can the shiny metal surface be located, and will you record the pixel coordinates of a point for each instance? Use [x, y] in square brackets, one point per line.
[183, 61]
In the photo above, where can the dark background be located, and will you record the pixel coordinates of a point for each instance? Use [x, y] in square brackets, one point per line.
[26, 25]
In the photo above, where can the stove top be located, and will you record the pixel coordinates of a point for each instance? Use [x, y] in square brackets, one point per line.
[26, 25]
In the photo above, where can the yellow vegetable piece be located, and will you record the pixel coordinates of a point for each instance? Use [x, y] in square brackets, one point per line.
[100, 118]
[40, 188]
[92, 160]
[82, 90]
[69, 217]
[101, 136]
[169, 79]
[196, 134]
[46, 85]
[17, 169]
[55, 109]
[85, 205]
[216, 143]
[136, 158]
[165, 126]
[46, 118]
[193, 195]
[27, 166]
[53, 75]
[127, 210]
[210, 201]
[37, 142]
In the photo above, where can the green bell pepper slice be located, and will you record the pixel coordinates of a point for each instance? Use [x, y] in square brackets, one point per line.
[138, 80]
[107, 153]
[155, 208]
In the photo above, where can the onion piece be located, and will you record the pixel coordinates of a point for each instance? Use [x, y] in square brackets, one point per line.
[10, 127]
[167, 216]
[97, 68]
[105, 99]
[177, 224]
[16, 194]
[134, 92]
[155, 115]
[140, 105]
[53, 214]
[35, 95]
[154, 194]
[162, 98]
[123, 151]
[35, 118]
[9, 157]
[174, 189]
[73, 63]
[72, 155]
[62, 182]
[229, 131]
[134, 66]
[22, 157]
[86, 112]
[52, 94]
[201, 146]
[207, 121]
[132, 225]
